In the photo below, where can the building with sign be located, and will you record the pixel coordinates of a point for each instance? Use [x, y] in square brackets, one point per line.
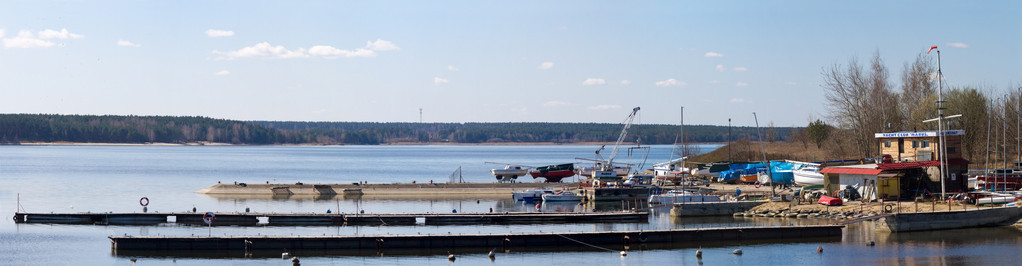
[909, 166]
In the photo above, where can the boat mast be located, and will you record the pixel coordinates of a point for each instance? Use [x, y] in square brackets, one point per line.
[767, 162]
[940, 127]
[990, 112]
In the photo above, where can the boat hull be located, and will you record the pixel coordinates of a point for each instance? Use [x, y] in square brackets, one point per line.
[807, 178]
[552, 176]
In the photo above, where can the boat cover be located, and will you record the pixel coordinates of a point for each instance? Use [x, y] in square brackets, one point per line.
[780, 171]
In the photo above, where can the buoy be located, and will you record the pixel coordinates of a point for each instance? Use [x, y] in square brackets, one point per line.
[819, 249]
[295, 261]
[699, 253]
[623, 253]
[737, 252]
[450, 256]
[491, 254]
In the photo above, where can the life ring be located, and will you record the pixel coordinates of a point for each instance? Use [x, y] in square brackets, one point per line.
[144, 201]
[758, 184]
[888, 208]
[209, 217]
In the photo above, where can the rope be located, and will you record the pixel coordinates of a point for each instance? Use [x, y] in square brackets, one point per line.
[587, 244]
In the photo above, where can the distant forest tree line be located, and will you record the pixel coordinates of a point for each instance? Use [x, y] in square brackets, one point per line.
[25, 128]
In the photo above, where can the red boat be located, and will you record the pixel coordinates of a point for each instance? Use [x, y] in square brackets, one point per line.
[553, 173]
[830, 201]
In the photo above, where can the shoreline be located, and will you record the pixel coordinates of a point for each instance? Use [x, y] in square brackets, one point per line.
[65, 143]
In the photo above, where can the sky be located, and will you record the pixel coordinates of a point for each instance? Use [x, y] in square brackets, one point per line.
[482, 61]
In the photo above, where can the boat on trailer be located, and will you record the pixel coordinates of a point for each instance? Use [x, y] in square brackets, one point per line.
[509, 172]
[553, 173]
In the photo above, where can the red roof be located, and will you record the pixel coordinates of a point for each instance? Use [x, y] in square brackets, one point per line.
[909, 165]
[854, 171]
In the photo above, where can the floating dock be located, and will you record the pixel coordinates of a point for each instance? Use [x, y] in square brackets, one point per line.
[292, 219]
[355, 189]
[474, 241]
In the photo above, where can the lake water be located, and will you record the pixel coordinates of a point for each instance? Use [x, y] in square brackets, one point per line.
[113, 178]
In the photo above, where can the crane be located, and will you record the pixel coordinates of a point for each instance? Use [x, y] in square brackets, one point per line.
[607, 170]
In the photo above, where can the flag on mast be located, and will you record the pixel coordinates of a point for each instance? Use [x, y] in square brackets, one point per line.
[931, 49]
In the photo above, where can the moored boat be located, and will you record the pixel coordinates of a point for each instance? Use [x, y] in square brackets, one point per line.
[564, 195]
[531, 194]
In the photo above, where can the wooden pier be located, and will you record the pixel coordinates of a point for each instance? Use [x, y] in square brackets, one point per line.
[311, 219]
[474, 241]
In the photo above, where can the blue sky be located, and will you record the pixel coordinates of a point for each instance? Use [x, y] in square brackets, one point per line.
[481, 61]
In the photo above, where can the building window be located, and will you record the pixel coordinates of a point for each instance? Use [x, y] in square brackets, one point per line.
[887, 144]
[915, 144]
[952, 149]
[925, 144]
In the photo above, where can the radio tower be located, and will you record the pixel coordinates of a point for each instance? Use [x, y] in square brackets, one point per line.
[420, 115]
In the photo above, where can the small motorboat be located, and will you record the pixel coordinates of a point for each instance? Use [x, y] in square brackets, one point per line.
[532, 194]
[564, 195]
[509, 172]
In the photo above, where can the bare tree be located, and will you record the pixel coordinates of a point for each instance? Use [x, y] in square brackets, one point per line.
[862, 101]
[918, 97]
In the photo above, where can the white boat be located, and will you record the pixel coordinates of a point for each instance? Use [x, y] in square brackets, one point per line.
[510, 172]
[808, 175]
[531, 194]
[564, 195]
[618, 170]
[676, 196]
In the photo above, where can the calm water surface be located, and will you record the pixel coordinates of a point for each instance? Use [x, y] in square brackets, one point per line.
[113, 178]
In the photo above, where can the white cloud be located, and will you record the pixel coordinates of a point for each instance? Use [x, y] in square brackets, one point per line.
[263, 50]
[439, 80]
[331, 52]
[1, 33]
[219, 33]
[546, 65]
[742, 84]
[222, 73]
[714, 82]
[625, 82]
[737, 100]
[720, 68]
[381, 45]
[452, 68]
[594, 81]
[555, 104]
[740, 69]
[713, 54]
[958, 45]
[26, 39]
[127, 43]
[790, 83]
[62, 34]
[669, 83]
[604, 107]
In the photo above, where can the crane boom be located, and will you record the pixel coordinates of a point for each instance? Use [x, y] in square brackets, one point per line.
[620, 138]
